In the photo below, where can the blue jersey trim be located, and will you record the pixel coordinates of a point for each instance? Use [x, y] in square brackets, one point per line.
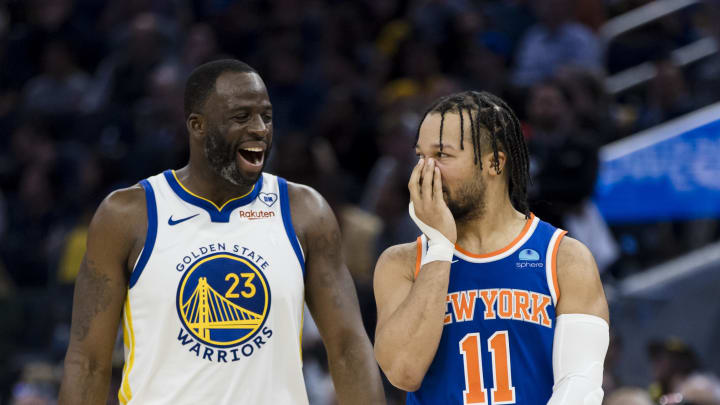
[151, 232]
[287, 221]
[217, 214]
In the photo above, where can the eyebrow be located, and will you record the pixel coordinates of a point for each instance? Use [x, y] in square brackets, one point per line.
[236, 107]
[437, 146]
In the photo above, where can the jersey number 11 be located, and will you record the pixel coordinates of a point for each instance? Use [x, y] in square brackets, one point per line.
[475, 392]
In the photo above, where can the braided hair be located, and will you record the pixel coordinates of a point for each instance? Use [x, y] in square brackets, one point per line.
[493, 123]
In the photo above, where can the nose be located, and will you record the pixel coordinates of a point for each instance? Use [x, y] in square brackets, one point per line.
[257, 126]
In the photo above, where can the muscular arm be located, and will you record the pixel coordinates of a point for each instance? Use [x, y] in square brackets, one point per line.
[581, 329]
[100, 291]
[410, 314]
[332, 300]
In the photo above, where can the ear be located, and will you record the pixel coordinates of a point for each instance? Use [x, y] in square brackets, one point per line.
[496, 167]
[195, 124]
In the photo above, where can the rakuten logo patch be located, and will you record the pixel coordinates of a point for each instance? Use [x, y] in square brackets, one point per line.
[259, 214]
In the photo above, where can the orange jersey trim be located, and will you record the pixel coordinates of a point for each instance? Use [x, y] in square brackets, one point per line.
[553, 266]
[525, 230]
[419, 256]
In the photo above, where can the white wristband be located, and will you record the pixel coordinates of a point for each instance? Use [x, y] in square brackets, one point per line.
[439, 247]
[438, 251]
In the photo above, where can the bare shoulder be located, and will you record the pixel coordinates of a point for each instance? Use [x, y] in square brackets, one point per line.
[575, 256]
[119, 226]
[122, 208]
[306, 199]
[581, 290]
[399, 260]
[404, 253]
[311, 213]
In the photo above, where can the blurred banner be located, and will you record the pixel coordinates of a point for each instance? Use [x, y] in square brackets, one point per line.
[669, 172]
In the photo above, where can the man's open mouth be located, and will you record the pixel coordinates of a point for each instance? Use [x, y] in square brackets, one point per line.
[252, 154]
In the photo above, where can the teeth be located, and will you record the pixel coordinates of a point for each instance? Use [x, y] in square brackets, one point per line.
[253, 149]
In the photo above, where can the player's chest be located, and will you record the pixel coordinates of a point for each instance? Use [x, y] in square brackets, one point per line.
[490, 294]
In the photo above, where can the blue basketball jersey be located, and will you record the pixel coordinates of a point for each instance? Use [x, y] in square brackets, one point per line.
[496, 345]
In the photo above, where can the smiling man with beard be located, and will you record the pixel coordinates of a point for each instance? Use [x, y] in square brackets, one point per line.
[207, 269]
[491, 305]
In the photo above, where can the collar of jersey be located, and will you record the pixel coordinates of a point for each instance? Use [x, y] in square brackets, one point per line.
[217, 214]
[519, 240]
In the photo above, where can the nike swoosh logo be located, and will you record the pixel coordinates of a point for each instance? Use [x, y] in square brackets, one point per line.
[175, 222]
[454, 261]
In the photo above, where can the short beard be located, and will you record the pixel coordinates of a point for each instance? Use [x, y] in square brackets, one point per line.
[222, 159]
[468, 202]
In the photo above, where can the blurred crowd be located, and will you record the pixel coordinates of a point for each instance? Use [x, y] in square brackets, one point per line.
[678, 377]
[91, 100]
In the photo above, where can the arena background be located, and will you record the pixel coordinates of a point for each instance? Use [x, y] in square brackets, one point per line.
[616, 98]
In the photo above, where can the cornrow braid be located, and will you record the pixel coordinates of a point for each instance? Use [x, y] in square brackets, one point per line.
[504, 131]
[442, 123]
[462, 126]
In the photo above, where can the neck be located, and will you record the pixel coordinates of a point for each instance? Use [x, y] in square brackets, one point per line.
[499, 225]
[203, 181]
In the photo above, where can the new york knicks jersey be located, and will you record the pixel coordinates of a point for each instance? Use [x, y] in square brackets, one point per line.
[213, 313]
[497, 339]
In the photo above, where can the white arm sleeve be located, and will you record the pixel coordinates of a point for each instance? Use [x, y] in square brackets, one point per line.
[579, 348]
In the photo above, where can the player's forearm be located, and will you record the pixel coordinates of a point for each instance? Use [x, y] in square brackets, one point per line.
[406, 342]
[85, 380]
[354, 371]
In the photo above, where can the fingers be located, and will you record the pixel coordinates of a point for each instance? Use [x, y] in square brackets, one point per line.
[414, 183]
[427, 177]
[437, 186]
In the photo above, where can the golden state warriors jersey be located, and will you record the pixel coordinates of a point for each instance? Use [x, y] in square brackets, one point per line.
[213, 313]
[497, 339]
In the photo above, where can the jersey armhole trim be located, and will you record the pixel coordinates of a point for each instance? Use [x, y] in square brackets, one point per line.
[287, 222]
[418, 258]
[551, 265]
[150, 235]
[124, 392]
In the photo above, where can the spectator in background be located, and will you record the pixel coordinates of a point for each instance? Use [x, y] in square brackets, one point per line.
[37, 385]
[159, 126]
[31, 207]
[564, 167]
[200, 47]
[47, 20]
[700, 389]
[386, 192]
[476, 53]
[556, 40]
[58, 90]
[667, 95]
[564, 159]
[416, 70]
[672, 361]
[32, 211]
[628, 396]
[122, 76]
[589, 102]
[706, 83]
[355, 150]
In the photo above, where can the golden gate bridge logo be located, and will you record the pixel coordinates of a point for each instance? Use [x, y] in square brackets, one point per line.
[223, 300]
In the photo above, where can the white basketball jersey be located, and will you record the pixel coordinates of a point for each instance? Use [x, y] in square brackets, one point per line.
[214, 308]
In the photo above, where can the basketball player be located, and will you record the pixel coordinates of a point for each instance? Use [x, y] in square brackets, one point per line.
[491, 305]
[207, 269]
